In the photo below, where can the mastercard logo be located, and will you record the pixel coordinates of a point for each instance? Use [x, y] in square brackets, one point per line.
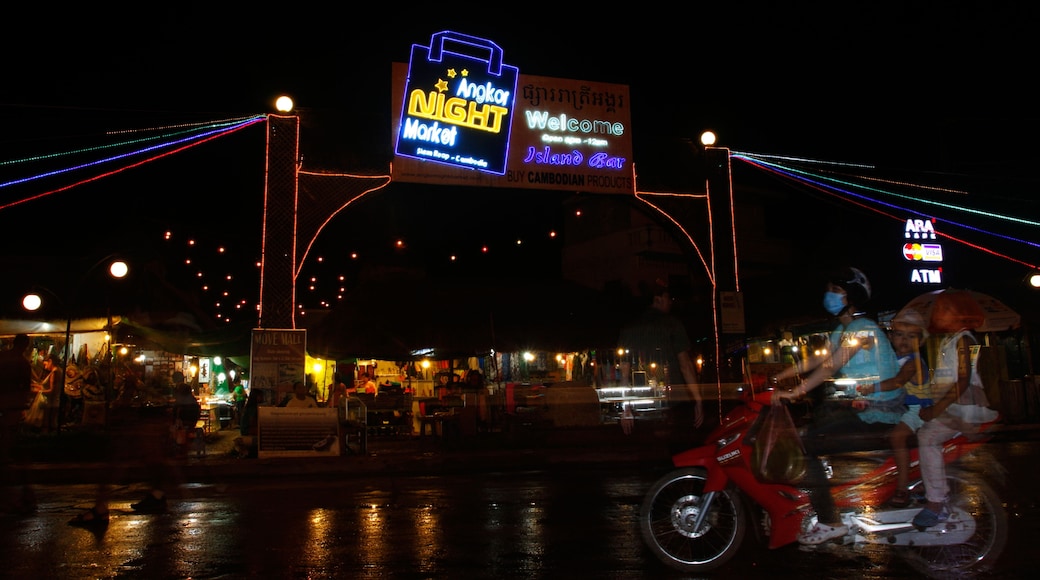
[923, 252]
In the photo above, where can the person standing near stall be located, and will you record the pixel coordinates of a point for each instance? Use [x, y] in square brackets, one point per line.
[245, 443]
[658, 338]
[51, 387]
[366, 384]
[339, 392]
[238, 399]
[15, 393]
[301, 398]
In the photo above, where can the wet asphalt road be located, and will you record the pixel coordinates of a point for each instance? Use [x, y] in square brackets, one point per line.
[578, 522]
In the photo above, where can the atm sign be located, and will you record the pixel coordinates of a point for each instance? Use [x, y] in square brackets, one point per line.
[923, 252]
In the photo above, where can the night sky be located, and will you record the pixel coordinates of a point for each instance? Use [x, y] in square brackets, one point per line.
[925, 94]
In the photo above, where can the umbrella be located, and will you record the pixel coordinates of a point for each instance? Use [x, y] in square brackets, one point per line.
[997, 316]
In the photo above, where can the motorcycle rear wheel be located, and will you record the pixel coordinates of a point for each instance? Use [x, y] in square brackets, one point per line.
[668, 513]
[983, 548]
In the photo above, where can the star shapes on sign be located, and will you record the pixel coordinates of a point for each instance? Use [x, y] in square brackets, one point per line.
[452, 73]
[442, 85]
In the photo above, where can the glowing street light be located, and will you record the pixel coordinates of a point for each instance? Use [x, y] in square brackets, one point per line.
[284, 104]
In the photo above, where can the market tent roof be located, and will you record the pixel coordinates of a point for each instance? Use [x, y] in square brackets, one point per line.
[408, 319]
[12, 326]
[226, 341]
[174, 335]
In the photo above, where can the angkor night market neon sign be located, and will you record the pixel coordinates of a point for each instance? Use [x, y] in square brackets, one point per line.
[458, 103]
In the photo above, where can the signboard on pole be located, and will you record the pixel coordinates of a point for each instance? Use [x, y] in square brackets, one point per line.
[922, 251]
[277, 357]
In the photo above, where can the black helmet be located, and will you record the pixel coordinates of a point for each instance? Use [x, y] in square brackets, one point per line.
[855, 284]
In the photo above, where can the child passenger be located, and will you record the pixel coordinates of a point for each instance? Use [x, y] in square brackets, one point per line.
[954, 314]
[908, 334]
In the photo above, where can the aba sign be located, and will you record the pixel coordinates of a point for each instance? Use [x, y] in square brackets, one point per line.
[458, 103]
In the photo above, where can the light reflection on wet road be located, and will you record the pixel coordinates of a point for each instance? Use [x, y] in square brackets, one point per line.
[580, 523]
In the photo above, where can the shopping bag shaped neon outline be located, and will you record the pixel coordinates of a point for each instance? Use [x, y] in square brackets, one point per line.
[458, 103]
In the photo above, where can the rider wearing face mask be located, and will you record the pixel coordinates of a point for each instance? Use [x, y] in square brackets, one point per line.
[860, 353]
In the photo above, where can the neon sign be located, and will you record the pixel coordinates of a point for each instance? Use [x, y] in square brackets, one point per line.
[921, 229]
[458, 103]
[562, 133]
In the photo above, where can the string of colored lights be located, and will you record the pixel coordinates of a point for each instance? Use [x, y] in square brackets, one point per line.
[949, 222]
[940, 234]
[333, 214]
[185, 144]
[709, 269]
[192, 127]
[915, 199]
[641, 196]
[823, 185]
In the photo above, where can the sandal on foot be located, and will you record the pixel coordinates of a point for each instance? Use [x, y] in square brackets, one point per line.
[900, 499]
[927, 518]
[821, 533]
[91, 518]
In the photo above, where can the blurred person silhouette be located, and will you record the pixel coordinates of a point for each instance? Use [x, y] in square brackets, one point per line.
[366, 384]
[51, 387]
[238, 398]
[859, 350]
[301, 397]
[245, 443]
[186, 410]
[907, 336]
[339, 392]
[474, 381]
[72, 400]
[284, 392]
[954, 376]
[657, 339]
[185, 414]
[15, 395]
[150, 437]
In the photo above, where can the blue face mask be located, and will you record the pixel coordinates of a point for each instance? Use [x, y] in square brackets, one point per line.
[834, 302]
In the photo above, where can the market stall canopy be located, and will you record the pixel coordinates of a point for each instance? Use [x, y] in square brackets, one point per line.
[11, 326]
[405, 319]
[227, 341]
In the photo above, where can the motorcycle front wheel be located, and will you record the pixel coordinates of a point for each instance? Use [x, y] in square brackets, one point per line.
[668, 516]
[981, 551]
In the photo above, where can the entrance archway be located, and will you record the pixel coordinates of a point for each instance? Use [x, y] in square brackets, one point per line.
[299, 204]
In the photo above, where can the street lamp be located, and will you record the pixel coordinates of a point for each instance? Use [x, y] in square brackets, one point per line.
[284, 104]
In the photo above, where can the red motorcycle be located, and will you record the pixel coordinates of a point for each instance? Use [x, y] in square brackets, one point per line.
[695, 518]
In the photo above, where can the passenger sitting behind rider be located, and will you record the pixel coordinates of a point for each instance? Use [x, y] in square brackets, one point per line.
[908, 334]
[860, 350]
[952, 318]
